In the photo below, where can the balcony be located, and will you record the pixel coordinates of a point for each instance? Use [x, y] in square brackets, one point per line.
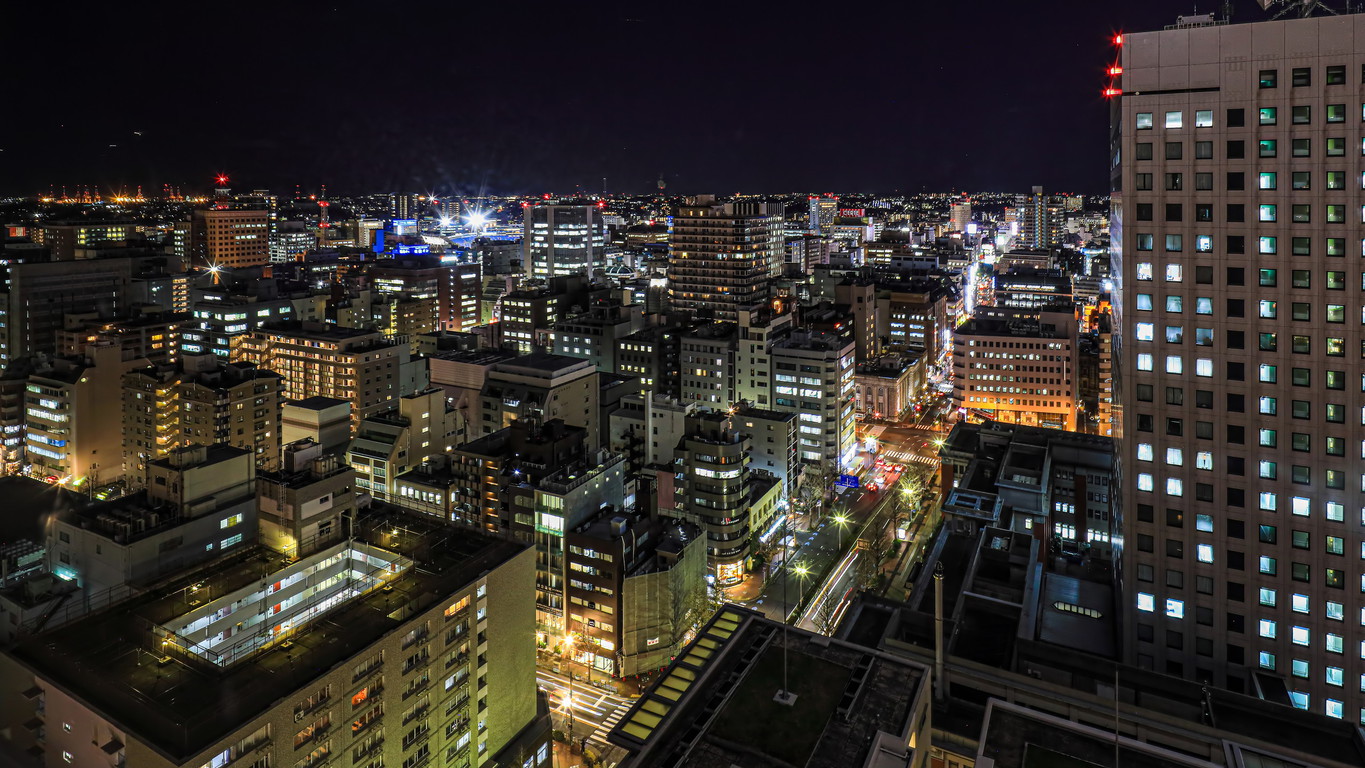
[415, 714]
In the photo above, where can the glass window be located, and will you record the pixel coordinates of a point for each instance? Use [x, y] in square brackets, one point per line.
[1204, 118]
[1267, 179]
[1144, 121]
[1301, 115]
[1175, 119]
[1269, 78]
[1268, 115]
[1301, 76]
[1266, 148]
[1336, 113]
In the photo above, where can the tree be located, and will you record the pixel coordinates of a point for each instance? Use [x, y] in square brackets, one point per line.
[816, 481]
[826, 613]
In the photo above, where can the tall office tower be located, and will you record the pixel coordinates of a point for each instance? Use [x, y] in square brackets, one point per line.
[723, 256]
[713, 461]
[1231, 223]
[960, 214]
[1041, 218]
[822, 213]
[563, 239]
[230, 238]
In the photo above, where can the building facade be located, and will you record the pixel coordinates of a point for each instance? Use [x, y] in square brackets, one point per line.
[1233, 223]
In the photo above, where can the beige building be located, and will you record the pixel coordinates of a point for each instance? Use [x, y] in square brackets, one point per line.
[231, 238]
[388, 444]
[363, 367]
[888, 387]
[1018, 367]
[1236, 232]
[72, 432]
[301, 505]
[541, 387]
[383, 649]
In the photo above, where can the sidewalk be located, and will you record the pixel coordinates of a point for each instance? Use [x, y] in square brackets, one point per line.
[746, 591]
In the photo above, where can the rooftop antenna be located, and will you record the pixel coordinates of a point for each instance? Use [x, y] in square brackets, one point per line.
[1302, 8]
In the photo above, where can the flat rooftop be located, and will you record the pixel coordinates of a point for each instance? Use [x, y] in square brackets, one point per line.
[318, 403]
[714, 705]
[541, 363]
[181, 707]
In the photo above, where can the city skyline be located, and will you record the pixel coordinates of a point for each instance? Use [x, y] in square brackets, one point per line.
[484, 111]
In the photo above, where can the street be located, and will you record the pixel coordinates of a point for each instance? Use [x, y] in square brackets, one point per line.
[595, 711]
[824, 560]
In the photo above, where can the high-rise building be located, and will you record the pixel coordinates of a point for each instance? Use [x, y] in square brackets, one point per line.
[36, 298]
[1232, 354]
[204, 401]
[540, 387]
[822, 212]
[960, 214]
[714, 487]
[1042, 219]
[64, 239]
[72, 430]
[564, 239]
[230, 238]
[722, 256]
[812, 375]
[455, 287]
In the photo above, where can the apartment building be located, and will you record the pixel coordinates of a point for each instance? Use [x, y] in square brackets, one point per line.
[365, 368]
[448, 677]
[722, 256]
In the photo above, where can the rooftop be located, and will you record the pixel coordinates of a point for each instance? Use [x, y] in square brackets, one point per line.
[714, 705]
[543, 363]
[108, 660]
[318, 403]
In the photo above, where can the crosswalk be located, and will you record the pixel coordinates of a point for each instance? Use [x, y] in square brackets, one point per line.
[904, 456]
[600, 735]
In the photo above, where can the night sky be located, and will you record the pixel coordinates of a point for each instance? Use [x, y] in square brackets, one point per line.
[508, 98]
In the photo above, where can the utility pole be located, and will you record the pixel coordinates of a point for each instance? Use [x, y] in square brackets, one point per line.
[940, 685]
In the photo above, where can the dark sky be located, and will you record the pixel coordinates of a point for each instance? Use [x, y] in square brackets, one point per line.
[512, 97]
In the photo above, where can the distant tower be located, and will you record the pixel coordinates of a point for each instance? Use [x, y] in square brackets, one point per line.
[662, 184]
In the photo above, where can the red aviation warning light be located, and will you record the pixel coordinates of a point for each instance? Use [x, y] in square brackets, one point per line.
[1118, 39]
[221, 179]
[1110, 93]
[1115, 71]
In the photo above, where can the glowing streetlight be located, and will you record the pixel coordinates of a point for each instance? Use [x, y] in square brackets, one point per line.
[567, 643]
[841, 521]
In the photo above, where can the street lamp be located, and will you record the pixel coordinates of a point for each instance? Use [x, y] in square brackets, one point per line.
[568, 644]
[840, 521]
